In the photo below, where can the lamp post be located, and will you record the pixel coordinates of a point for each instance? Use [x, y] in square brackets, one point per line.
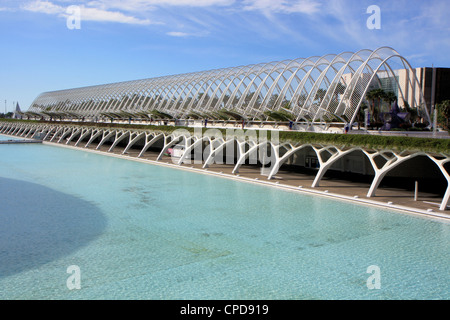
[433, 101]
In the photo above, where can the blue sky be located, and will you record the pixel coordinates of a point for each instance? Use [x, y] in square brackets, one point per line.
[121, 40]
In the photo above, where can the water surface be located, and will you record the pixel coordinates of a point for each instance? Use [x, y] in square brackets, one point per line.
[140, 231]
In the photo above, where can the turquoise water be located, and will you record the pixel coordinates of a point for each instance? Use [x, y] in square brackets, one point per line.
[4, 138]
[138, 231]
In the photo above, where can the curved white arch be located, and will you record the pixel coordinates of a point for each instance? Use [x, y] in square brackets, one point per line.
[296, 81]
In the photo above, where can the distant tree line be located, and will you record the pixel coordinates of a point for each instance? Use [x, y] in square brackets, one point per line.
[9, 115]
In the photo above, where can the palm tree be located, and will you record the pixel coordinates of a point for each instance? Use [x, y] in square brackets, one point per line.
[340, 88]
[279, 116]
[381, 96]
[232, 114]
[320, 94]
[376, 95]
[370, 96]
[273, 99]
[160, 115]
[390, 97]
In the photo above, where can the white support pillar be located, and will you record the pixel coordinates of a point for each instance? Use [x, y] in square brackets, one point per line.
[65, 134]
[214, 151]
[274, 159]
[119, 137]
[446, 199]
[19, 131]
[83, 135]
[244, 155]
[148, 143]
[24, 133]
[388, 166]
[56, 134]
[73, 135]
[170, 144]
[133, 141]
[279, 162]
[189, 148]
[324, 166]
[32, 130]
[94, 135]
[106, 136]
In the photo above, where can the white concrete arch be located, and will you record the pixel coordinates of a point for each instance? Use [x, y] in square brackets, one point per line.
[106, 135]
[281, 160]
[133, 140]
[85, 132]
[151, 139]
[253, 148]
[119, 136]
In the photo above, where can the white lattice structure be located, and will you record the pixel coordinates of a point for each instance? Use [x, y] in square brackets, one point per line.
[381, 161]
[315, 89]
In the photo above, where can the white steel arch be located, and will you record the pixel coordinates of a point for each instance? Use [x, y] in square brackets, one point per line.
[289, 86]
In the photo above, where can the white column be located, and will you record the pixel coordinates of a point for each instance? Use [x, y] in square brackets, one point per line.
[324, 166]
[106, 136]
[119, 137]
[133, 141]
[148, 144]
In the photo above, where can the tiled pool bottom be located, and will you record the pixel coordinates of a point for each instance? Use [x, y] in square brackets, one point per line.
[138, 231]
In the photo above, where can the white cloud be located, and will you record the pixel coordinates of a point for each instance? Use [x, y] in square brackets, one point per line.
[94, 14]
[181, 34]
[149, 5]
[43, 7]
[193, 3]
[283, 6]
[125, 5]
[177, 34]
[87, 13]
[6, 9]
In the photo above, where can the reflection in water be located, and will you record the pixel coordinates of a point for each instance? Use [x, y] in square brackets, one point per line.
[42, 226]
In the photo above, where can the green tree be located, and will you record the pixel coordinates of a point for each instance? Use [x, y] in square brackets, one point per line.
[390, 97]
[273, 99]
[376, 96]
[279, 116]
[320, 94]
[444, 113]
[340, 88]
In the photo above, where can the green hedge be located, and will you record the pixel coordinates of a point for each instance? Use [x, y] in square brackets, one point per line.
[397, 143]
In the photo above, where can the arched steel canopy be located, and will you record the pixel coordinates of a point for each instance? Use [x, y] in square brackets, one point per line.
[315, 89]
